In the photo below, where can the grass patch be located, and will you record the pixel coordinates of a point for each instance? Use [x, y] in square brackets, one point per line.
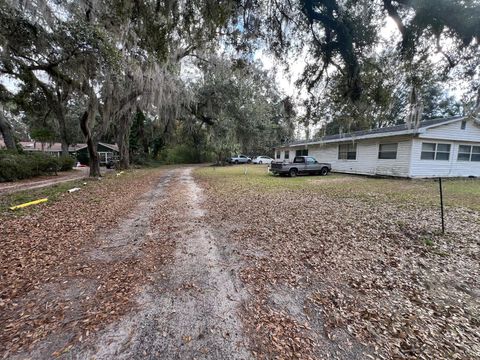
[457, 192]
[54, 192]
[51, 192]
[428, 241]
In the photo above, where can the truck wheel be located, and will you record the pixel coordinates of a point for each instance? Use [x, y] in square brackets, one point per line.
[293, 172]
[324, 171]
[260, 162]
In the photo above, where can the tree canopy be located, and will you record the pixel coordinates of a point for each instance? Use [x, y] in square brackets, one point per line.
[153, 74]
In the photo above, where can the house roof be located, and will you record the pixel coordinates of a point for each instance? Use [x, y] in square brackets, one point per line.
[54, 147]
[48, 147]
[402, 129]
[113, 147]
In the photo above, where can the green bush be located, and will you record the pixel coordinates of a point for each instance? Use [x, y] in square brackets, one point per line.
[66, 163]
[22, 166]
[183, 154]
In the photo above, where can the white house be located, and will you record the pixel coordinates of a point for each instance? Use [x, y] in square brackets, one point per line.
[447, 147]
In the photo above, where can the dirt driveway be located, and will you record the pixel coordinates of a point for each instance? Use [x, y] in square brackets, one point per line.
[190, 309]
[187, 306]
[43, 181]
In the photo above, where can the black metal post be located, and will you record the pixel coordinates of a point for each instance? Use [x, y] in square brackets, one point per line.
[441, 204]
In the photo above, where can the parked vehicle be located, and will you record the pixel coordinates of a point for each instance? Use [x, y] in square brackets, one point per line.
[300, 165]
[239, 159]
[262, 160]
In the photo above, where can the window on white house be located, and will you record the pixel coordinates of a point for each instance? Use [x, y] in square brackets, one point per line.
[287, 154]
[387, 151]
[475, 153]
[278, 154]
[468, 153]
[463, 124]
[434, 151]
[347, 151]
[464, 153]
[302, 152]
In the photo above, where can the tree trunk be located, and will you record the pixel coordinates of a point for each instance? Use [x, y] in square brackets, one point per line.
[7, 133]
[141, 135]
[64, 135]
[64, 148]
[123, 140]
[94, 160]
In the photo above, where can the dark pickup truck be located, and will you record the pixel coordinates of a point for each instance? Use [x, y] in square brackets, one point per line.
[300, 165]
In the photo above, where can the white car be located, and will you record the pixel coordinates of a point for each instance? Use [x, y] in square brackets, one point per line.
[239, 159]
[262, 160]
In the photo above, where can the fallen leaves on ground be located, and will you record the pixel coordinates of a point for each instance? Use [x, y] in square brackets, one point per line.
[378, 271]
[49, 284]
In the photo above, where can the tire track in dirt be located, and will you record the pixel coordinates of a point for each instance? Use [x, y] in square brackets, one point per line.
[127, 242]
[191, 310]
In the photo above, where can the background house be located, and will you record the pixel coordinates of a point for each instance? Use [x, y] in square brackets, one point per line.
[441, 147]
[106, 152]
[79, 151]
[49, 148]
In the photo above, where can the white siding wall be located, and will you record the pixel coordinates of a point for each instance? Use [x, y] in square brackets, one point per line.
[367, 162]
[446, 134]
[436, 168]
[454, 132]
[282, 154]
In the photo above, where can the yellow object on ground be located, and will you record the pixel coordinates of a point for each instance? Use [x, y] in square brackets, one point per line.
[35, 202]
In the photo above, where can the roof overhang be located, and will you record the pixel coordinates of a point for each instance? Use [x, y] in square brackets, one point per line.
[413, 132]
[443, 123]
[356, 138]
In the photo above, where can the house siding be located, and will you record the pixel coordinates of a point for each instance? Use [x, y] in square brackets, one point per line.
[367, 162]
[446, 134]
[453, 132]
[447, 168]
[408, 162]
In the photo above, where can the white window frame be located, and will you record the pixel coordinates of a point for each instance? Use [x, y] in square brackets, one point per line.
[380, 151]
[347, 152]
[470, 153]
[106, 155]
[435, 151]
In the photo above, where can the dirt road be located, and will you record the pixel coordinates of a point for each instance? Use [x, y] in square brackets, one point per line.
[191, 310]
[43, 181]
[188, 309]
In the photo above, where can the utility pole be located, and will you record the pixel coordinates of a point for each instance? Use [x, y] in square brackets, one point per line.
[441, 204]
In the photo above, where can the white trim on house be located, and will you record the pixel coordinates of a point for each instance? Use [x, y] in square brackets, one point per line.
[352, 138]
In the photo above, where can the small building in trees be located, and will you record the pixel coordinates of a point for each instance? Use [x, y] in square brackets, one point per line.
[448, 147]
[106, 152]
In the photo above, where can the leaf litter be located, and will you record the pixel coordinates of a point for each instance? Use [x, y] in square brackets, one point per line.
[376, 279]
[51, 286]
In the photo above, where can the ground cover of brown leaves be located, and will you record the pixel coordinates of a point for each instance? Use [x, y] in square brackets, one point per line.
[344, 277]
[50, 286]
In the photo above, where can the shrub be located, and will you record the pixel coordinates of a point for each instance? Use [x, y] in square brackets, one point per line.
[66, 163]
[42, 163]
[183, 154]
[23, 166]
